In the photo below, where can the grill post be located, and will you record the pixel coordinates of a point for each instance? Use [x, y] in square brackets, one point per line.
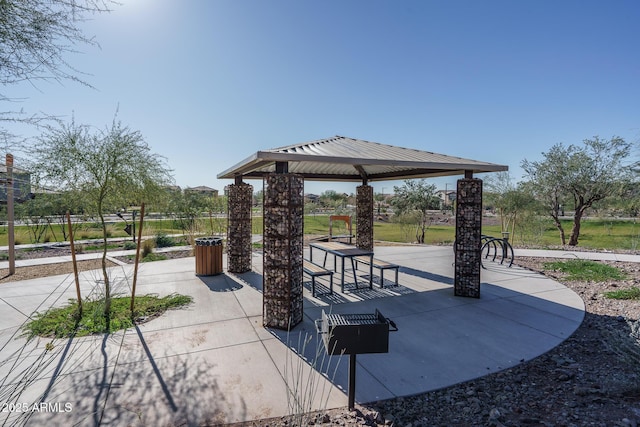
[354, 334]
[352, 381]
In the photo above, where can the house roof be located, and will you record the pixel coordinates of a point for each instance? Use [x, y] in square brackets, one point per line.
[347, 159]
[202, 188]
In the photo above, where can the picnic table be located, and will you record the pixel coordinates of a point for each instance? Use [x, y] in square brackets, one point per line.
[343, 251]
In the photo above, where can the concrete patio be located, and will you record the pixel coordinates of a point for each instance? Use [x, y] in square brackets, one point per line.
[214, 362]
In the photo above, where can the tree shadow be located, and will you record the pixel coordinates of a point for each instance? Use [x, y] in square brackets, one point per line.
[110, 380]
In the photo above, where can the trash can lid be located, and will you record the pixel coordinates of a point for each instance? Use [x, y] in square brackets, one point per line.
[209, 241]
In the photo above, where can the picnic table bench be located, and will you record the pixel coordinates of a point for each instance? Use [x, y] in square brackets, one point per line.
[379, 264]
[315, 270]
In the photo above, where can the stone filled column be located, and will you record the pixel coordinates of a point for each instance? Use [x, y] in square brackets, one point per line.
[282, 250]
[468, 238]
[239, 228]
[364, 217]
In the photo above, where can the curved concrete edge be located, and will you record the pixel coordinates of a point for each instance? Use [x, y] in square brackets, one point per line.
[214, 362]
[445, 340]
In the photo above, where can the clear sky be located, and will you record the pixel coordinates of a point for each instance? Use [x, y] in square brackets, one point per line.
[210, 82]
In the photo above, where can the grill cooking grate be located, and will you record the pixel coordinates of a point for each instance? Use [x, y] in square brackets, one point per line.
[352, 319]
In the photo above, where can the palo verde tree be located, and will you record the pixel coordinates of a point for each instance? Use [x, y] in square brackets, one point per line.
[36, 40]
[110, 168]
[510, 200]
[581, 175]
[416, 196]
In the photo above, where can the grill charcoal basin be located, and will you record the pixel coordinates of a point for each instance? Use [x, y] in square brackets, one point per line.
[354, 333]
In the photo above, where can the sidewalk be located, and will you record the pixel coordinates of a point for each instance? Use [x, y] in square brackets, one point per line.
[111, 255]
[214, 362]
[594, 256]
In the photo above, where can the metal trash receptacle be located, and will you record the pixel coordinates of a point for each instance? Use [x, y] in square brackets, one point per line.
[208, 256]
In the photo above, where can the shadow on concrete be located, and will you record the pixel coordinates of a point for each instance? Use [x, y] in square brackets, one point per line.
[252, 279]
[220, 283]
[498, 331]
[427, 275]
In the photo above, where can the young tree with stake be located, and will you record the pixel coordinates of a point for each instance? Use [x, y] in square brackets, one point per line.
[110, 168]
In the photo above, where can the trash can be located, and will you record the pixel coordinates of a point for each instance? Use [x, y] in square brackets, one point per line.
[208, 256]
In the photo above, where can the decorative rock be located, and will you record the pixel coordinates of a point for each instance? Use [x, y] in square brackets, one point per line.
[239, 228]
[283, 250]
[364, 217]
[468, 238]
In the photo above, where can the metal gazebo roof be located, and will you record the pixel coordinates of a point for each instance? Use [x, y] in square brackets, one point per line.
[347, 159]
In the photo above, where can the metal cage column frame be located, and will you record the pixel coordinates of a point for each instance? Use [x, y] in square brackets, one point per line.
[239, 227]
[468, 243]
[283, 250]
[364, 217]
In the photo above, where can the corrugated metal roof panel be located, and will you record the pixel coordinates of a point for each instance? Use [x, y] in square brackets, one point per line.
[343, 158]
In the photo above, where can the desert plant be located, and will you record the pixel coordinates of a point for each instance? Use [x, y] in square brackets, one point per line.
[631, 293]
[162, 240]
[129, 245]
[154, 257]
[147, 247]
[66, 321]
[582, 269]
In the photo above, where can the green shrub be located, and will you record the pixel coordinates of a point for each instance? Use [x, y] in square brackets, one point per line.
[582, 269]
[154, 257]
[163, 240]
[65, 321]
[129, 245]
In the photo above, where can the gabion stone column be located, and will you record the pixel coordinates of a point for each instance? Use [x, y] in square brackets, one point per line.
[364, 217]
[468, 238]
[239, 228]
[283, 245]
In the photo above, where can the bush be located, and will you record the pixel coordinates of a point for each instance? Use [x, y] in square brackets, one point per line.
[585, 270]
[154, 257]
[129, 245]
[147, 247]
[66, 321]
[163, 240]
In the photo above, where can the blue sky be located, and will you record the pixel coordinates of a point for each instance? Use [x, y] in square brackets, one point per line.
[209, 83]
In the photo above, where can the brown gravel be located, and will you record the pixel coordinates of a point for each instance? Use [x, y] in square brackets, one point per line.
[46, 270]
[592, 379]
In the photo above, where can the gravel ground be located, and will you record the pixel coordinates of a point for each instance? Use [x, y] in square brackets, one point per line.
[592, 379]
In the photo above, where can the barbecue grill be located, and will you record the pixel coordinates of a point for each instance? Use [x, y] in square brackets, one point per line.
[354, 334]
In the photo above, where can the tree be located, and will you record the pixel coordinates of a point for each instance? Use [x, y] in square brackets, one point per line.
[36, 35]
[583, 175]
[110, 168]
[416, 196]
[35, 38]
[508, 199]
[334, 200]
[380, 200]
[34, 213]
[187, 208]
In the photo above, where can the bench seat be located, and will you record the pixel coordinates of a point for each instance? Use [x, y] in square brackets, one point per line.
[315, 270]
[379, 264]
